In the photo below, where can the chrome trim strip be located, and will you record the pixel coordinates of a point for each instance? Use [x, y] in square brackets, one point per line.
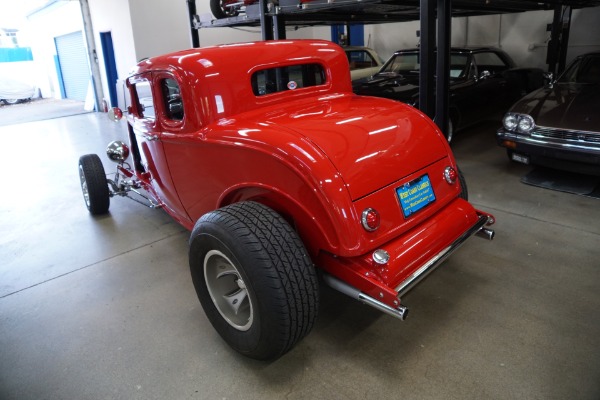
[401, 312]
[439, 258]
[589, 148]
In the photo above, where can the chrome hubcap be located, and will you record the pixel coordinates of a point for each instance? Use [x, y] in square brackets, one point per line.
[228, 290]
[84, 188]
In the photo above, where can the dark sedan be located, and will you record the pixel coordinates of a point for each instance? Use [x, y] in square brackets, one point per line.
[559, 125]
[484, 83]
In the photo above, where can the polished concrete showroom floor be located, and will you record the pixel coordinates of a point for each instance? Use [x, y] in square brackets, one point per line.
[104, 308]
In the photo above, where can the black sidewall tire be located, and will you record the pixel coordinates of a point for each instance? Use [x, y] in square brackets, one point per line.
[280, 319]
[218, 11]
[464, 191]
[97, 186]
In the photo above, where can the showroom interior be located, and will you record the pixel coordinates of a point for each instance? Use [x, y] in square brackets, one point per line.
[104, 307]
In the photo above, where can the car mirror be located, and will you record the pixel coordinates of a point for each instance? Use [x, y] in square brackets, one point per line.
[485, 74]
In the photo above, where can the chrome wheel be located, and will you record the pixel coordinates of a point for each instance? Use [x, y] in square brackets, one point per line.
[84, 187]
[450, 131]
[228, 290]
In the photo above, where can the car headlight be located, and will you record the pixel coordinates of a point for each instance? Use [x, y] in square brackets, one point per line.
[510, 122]
[526, 124]
[521, 123]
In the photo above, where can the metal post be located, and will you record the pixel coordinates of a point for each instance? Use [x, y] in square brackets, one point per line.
[266, 22]
[564, 39]
[279, 26]
[92, 54]
[427, 52]
[444, 23]
[554, 44]
[194, 32]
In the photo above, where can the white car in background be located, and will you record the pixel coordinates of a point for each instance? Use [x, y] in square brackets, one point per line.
[13, 92]
[364, 62]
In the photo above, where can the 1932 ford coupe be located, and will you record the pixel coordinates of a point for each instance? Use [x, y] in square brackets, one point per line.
[280, 172]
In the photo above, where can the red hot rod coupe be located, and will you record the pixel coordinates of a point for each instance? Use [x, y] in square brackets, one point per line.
[280, 172]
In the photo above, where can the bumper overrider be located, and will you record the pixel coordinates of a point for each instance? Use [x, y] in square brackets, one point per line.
[413, 256]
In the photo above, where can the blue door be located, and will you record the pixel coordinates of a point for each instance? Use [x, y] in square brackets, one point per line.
[110, 66]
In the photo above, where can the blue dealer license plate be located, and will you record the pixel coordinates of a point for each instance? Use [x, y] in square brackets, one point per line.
[415, 195]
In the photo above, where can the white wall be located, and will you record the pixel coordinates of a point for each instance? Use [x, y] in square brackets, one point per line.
[59, 19]
[113, 16]
[159, 28]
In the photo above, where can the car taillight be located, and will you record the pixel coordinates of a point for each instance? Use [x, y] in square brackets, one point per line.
[450, 175]
[370, 219]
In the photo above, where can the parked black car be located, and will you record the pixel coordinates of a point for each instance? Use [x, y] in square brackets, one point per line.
[484, 83]
[558, 126]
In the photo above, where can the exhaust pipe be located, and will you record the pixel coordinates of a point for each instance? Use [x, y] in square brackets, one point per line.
[401, 312]
[486, 233]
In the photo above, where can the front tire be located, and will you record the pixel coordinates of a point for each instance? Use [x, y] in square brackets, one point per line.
[254, 279]
[450, 133]
[93, 184]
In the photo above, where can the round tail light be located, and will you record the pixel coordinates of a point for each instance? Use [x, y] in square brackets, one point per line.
[370, 219]
[450, 175]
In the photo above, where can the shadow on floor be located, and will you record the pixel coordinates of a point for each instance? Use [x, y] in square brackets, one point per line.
[564, 181]
[39, 110]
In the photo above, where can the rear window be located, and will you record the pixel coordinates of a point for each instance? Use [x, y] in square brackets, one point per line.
[292, 77]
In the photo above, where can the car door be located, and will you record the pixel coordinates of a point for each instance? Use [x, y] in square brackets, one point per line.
[484, 94]
[150, 109]
[465, 98]
[492, 86]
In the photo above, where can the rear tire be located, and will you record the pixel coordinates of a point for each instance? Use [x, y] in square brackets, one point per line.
[464, 191]
[220, 11]
[93, 184]
[254, 279]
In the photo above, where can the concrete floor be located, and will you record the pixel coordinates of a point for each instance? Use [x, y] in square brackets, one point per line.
[104, 308]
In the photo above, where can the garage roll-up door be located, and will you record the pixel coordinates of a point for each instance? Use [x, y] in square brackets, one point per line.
[72, 58]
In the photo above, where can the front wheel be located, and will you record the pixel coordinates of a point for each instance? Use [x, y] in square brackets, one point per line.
[93, 184]
[450, 133]
[254, 279]
[220, 9]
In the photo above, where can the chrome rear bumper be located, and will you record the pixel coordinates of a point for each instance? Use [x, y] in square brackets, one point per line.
[417, 276]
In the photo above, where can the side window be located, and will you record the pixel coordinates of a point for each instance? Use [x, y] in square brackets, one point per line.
[171, 94]
[459, 68]
[490, 62]
[287, 78]
[360, 59]
[145, 104]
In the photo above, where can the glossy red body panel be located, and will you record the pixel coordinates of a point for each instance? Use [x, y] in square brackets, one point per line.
[318, 155]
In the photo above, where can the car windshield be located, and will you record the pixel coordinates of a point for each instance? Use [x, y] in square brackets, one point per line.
[359, 59]
[408, 63]
[583, 70]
